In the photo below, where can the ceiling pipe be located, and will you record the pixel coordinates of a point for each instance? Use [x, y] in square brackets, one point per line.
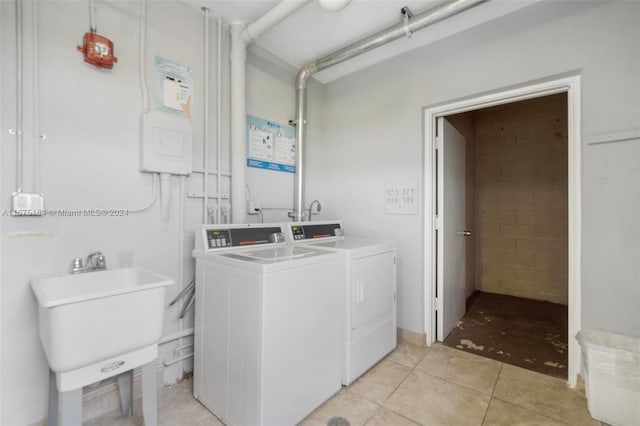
[241, 37]
[333, 5]
[387, 35]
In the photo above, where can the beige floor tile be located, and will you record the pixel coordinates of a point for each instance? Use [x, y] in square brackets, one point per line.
[353, 407]
[407, 354]
[378, 383]
[502, 413]
[543, 394]
[385, 417]
[176, 407]
[114, 418]
[460, 367]
[432, 401]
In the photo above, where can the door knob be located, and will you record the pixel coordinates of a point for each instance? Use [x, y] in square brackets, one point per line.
[466, 233]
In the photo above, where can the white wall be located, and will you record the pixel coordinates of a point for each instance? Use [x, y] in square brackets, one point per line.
[372, 134]
[89, 160]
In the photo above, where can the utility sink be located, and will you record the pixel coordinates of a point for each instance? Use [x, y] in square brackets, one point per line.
[90, 317]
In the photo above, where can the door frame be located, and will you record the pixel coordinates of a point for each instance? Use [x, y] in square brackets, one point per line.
[567, 83]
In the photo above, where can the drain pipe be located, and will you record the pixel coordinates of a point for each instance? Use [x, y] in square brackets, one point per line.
[19, 99]
[241, 37]
[218, 120]
[205, 130]
[387, 35]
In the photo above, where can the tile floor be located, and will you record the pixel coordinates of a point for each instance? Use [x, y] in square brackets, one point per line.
[416, 386]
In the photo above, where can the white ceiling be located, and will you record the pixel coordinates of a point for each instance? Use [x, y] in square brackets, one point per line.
[312, 32]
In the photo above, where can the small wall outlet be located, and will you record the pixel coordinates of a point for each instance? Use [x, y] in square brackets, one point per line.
[253, 207]
[27, 204]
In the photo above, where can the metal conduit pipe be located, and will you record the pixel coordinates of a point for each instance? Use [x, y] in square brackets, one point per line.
[241, 36]
[387, 35]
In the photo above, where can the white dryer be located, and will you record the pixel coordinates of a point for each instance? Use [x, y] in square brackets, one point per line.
[370, 291]
[269, 321]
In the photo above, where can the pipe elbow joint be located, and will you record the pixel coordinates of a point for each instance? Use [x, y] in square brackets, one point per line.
[304, 74]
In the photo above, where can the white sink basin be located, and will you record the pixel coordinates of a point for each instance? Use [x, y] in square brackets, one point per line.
[89, 317]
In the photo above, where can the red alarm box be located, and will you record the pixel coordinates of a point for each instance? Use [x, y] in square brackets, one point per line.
[98, 50]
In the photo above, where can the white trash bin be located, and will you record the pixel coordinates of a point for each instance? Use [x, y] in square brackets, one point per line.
[611, 368]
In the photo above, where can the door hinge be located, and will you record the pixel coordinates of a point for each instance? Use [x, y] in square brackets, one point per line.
[438, 304]
[437, 222]
[394, 260]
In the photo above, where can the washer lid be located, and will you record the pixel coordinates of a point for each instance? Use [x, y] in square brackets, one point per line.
[274, 254]
[355, 244]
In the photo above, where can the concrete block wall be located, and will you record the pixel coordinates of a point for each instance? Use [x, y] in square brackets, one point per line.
[521, 199]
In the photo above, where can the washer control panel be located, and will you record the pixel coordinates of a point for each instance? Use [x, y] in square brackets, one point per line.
[225, 237]
[218, 238]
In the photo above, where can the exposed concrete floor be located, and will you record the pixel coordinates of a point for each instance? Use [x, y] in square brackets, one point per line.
[526, 333]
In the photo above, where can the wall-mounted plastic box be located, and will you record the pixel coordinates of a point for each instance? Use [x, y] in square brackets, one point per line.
[166, 143]
[612, 376]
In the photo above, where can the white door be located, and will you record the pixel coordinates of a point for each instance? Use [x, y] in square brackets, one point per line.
[451, 228]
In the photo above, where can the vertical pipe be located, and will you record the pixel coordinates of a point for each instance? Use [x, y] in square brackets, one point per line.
[218, 119]
[165, 195]
[240, 38]
[36, 100]
[301, 129]
[142, 51]
[205, 148]
[181, 216]
[238, 123]
[92, 16]
[19, 99]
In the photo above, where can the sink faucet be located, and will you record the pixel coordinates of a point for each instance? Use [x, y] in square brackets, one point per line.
[318, 208]
[95, 262]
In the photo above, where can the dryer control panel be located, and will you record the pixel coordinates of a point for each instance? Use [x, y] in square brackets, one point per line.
[311, 231]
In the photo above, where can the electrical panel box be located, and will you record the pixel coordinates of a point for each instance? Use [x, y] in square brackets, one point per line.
[166, 143]
[27, 204]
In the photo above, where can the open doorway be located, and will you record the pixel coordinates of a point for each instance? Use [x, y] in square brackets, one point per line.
[516, 234]
[442, 305]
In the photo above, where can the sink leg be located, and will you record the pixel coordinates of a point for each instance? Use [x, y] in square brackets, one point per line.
[149, 394]
[52, 418]
[125, 389]
[70, 407]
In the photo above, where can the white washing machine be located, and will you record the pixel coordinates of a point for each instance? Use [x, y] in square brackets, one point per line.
[370, 317]
[269, 321]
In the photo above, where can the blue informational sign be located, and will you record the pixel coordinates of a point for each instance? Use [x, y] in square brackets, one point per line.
[270, 145]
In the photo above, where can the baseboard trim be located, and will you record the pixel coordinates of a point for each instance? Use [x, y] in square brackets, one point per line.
[411, 337]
